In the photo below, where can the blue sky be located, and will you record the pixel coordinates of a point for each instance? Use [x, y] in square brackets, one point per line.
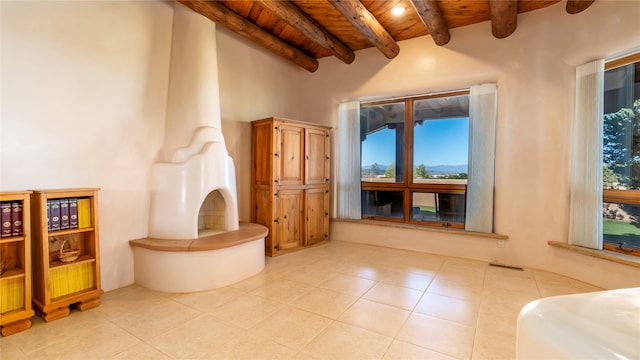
[438, 142]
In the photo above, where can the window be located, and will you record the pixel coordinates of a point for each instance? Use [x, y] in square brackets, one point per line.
[621, 156]
[414, 159]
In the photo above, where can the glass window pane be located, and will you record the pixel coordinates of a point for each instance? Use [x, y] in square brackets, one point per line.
[382, 203]
[441, 140]
[382, 141]
[621, 224]
[423, 207]
[621, 144]
[441, 207]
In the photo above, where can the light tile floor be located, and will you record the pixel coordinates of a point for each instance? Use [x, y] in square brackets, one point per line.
[335, 301]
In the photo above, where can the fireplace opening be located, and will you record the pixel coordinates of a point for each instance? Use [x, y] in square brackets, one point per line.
[212, 217]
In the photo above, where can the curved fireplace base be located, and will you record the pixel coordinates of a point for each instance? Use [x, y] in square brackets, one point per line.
[211, 262]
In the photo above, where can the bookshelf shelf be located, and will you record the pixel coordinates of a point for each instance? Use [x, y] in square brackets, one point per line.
[72, 297]
[57, 284]
[69, 232]
[81, 259]
[15, 259]
[12, 239]
[13, 273]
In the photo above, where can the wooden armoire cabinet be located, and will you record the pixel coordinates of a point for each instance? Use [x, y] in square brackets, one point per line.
[290, 182]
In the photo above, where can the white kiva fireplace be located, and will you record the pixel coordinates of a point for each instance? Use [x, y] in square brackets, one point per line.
[193, 185]
[194, 194]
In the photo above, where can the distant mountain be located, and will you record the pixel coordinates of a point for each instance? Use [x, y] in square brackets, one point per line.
[436, 169]
[367, 170]
[448, 169]
[382, 168]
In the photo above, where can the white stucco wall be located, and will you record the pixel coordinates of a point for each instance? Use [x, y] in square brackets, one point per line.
[534, 69]
[84, 87]
[254, 84]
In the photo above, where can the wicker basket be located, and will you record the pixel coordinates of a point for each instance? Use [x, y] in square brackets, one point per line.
[68, 255]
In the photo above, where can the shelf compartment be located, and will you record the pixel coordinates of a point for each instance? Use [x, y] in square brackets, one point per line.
[71, 278]
[11, 294]
[82, 240]
[13, 257]
[12, 218]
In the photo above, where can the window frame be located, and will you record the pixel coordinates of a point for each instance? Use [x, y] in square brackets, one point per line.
[631, 197]
[407, 185]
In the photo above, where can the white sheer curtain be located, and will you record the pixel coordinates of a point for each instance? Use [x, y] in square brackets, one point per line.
[585, 216]
[483, 103]
[349, 205]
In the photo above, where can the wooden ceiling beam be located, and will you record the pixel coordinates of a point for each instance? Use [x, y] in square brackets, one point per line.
[234, 22]
[576, 6]
[368, 26]
[504, 14]
[432, 17]
[288, 12]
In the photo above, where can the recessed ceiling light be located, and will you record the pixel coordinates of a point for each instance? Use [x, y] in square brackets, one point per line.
[398, 10]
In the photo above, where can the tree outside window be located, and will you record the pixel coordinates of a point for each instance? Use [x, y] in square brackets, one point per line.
[621, 158]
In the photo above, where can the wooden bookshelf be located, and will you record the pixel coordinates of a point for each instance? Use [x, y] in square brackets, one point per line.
[57, 284]
[15, 261]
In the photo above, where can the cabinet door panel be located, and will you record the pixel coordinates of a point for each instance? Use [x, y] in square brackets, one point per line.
[317, 157]
[290, 219]
[291, 155]
[262, 155]
[317, 221]
[262, 213]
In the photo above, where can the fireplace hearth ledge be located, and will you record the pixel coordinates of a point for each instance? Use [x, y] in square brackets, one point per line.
[211, 262]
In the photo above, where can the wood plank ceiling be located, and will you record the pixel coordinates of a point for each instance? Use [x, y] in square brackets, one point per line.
[303, 31]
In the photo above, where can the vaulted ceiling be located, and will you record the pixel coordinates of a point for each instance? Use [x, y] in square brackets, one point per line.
[303, 31]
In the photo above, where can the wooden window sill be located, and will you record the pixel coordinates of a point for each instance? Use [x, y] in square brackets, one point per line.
[425, 228]
[600, 254]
